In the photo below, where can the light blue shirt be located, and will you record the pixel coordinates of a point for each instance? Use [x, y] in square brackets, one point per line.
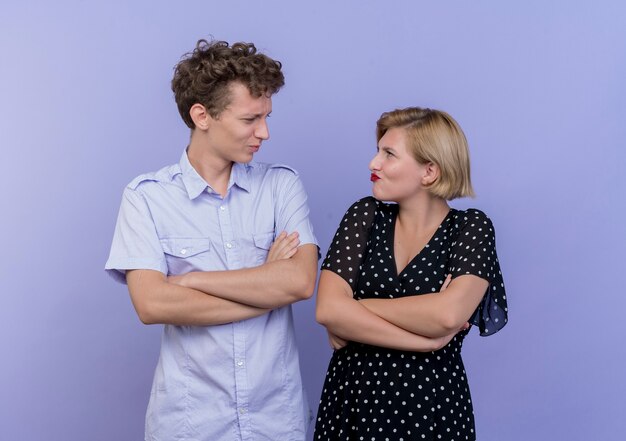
[238, 381]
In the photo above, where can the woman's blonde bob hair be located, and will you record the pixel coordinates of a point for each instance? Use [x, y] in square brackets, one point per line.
[434, 136]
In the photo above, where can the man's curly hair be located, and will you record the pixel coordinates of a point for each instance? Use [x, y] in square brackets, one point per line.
[203, 76]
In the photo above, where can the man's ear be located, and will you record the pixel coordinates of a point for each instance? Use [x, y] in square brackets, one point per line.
[431, 174]
[200, 116]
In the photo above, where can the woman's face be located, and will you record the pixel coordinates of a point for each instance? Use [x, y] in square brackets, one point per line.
[396, 175]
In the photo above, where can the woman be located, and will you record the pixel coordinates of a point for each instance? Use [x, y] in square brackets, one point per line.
[399, 285]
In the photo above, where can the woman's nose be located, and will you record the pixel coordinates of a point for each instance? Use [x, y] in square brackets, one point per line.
[374, 163]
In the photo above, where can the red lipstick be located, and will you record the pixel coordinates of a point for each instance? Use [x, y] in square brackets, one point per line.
[374, 177]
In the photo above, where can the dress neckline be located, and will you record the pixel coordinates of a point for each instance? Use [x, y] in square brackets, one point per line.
[436, 234]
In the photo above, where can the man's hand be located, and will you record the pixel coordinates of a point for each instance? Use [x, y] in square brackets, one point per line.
[284, 247]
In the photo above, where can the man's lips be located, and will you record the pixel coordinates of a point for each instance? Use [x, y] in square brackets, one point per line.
[255, 148]
[374, 177]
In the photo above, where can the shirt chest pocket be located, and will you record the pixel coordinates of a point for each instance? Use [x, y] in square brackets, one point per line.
[262, 243]
[184, 254]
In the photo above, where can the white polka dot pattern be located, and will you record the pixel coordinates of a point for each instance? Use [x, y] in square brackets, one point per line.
[374, 393]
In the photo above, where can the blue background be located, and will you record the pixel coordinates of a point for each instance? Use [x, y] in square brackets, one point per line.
[538, 87]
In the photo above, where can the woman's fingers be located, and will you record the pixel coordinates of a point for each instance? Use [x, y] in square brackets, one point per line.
[446, 282]
[336, 342]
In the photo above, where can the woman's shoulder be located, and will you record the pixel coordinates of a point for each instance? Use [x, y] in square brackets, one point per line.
[470, 216]
[472, 219]
[369, 204]
[366, 211]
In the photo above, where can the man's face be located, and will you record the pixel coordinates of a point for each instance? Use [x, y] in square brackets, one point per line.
[237, 133]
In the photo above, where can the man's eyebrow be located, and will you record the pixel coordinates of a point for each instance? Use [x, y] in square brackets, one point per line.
[256, 115]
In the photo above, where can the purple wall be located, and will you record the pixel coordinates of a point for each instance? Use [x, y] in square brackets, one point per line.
[538, 87]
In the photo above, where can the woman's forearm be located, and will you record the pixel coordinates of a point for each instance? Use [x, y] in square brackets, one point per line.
[416, 314]
[433, 315]
[350, 320]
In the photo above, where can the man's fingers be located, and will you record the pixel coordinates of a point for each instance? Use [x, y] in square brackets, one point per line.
[284, 247]
[289, 241]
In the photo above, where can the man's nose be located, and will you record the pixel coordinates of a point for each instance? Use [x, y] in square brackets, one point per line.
[262, 131]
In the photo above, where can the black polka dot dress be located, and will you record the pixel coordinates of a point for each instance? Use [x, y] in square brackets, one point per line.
[374, 393]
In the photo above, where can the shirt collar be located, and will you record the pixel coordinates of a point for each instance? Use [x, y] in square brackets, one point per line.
[195, 184]
[239, 176]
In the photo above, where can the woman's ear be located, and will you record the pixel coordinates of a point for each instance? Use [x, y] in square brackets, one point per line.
[431, 174]
[200, 116]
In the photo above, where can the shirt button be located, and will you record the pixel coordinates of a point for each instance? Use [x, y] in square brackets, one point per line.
[229, 245]
[242, 410]
[222, 208]
[240, 363]
[183, 251]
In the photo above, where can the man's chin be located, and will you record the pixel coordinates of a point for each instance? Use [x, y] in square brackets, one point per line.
[246, 158]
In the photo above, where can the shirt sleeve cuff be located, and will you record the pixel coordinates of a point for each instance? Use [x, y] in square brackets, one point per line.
[117, 268]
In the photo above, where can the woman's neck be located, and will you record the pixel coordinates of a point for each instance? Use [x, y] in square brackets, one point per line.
[422, 214]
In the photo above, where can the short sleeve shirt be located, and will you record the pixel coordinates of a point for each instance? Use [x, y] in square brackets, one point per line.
[237, 381]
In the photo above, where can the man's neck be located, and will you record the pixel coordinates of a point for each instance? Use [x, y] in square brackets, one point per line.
[215, 171]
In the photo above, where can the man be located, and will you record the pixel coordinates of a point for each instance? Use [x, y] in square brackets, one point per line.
[193, 241]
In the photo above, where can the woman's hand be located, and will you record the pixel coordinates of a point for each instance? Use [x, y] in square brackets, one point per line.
[446, 283]
[284, 247]
[336, 342]
[466, 325]
[368, 302]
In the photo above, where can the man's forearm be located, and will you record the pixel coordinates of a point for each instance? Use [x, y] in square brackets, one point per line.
[158, 301]
[271, 285]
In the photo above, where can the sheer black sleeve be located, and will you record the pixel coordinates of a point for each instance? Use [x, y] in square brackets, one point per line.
[348, 249]
[474, 252]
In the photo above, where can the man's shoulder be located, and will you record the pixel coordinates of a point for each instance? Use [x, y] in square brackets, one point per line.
[263, 168]
[163, 175]
[276, 176]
